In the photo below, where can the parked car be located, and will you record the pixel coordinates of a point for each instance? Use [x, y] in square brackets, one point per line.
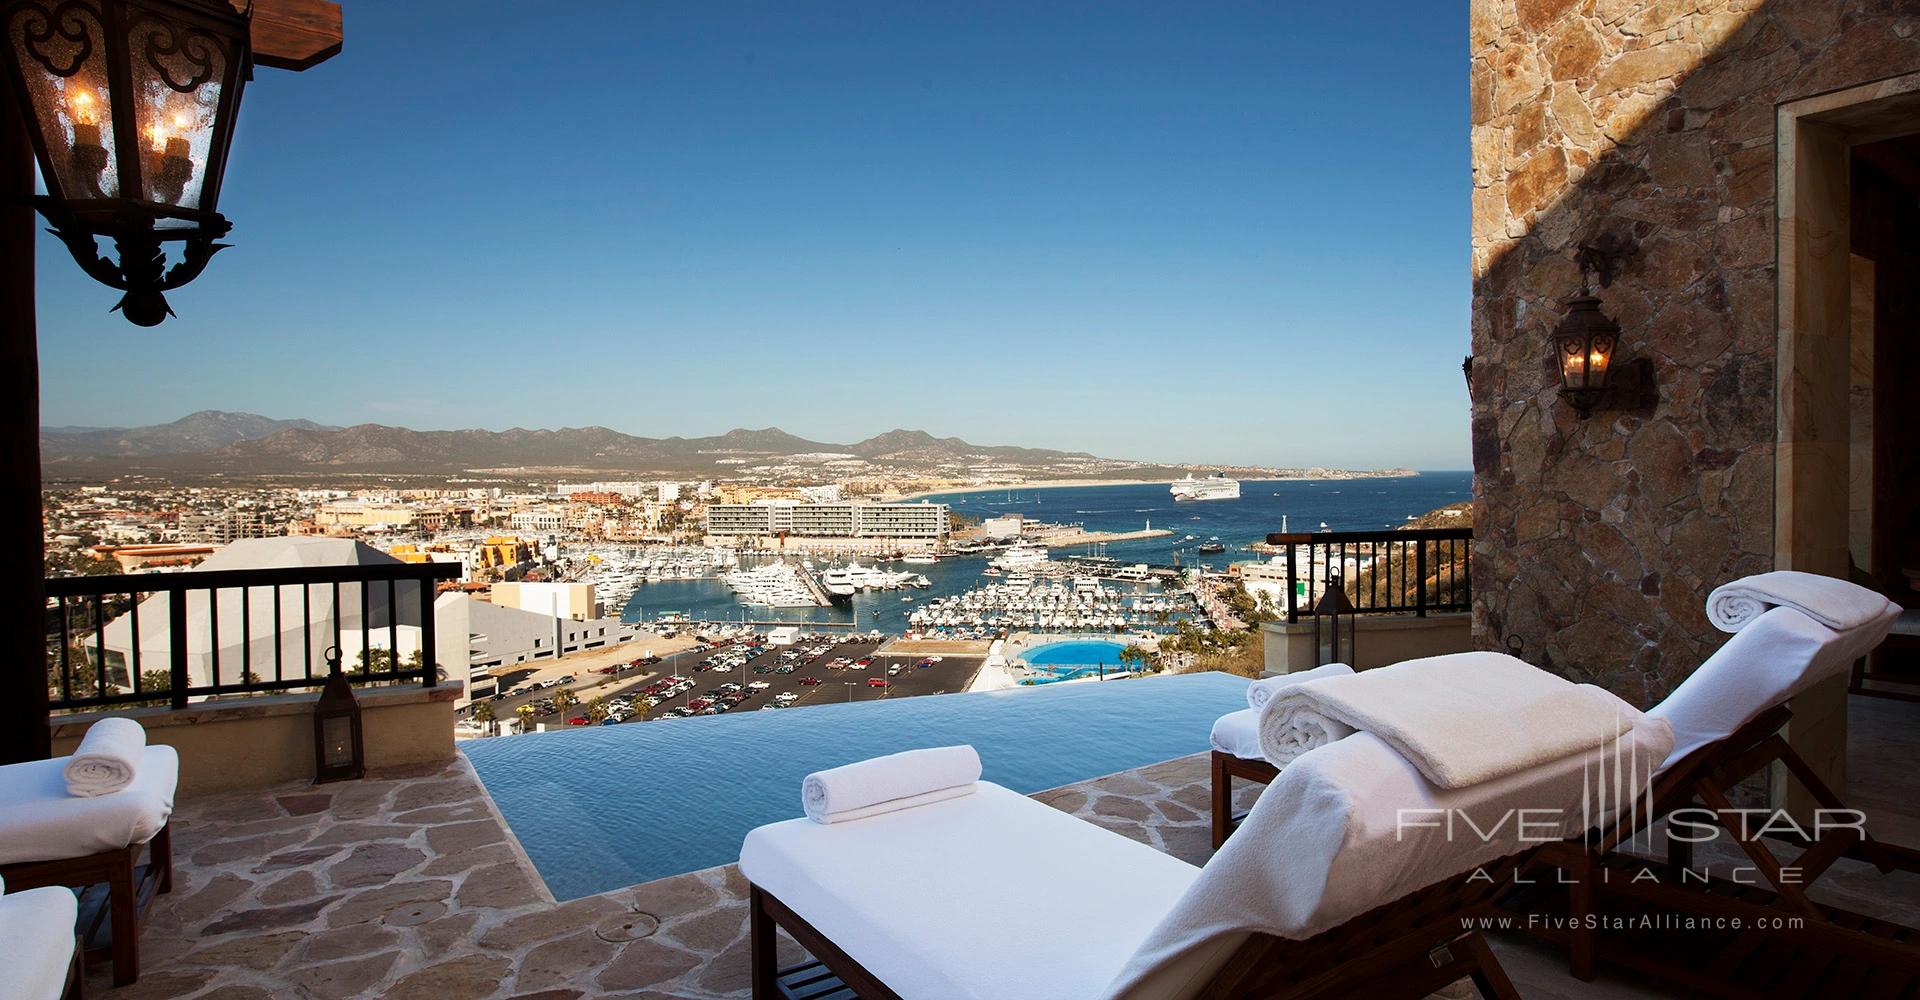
[809, 681]
[877, 682]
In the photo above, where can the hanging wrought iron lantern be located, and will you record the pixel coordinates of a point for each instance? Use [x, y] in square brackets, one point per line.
[1334, 626]
[339, 749]
[131, 105]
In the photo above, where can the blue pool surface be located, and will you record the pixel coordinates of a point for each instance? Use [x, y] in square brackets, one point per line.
[602, 807]
[1072, 660]
[1078, 654]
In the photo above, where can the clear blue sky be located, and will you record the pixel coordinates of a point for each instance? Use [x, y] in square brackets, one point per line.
[1175, 231]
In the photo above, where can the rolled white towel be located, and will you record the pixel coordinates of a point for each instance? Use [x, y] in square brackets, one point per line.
[1259, 691]
[1837, 604]
[1291, 727]
[106, 758]
[885, 784]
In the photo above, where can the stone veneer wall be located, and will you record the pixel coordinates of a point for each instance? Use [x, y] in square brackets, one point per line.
[1599, 539]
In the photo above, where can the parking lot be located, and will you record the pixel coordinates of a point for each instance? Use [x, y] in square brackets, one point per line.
[735, 677]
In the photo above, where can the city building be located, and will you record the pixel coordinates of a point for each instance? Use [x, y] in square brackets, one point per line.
[496, 636]
[257, 627]
[574, 601]
[921, 523]
[1005, 527]
[222, 526]
[627, 490]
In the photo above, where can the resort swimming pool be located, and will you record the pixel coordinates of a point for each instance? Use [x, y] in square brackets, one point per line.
[602, 807]
[1062, 661]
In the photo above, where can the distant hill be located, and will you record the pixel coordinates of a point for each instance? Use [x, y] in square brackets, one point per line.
[212, 442]
[195, 432]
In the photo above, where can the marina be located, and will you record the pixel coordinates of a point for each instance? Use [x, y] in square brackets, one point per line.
[1157, 563]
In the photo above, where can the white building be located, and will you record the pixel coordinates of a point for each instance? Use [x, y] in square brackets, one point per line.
[627, 490]
[925, 522]
[237, 633]
[1003, 528]
[575, 601]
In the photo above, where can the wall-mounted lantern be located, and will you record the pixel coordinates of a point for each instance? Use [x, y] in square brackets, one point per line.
[1583, 344]
[1586, 341]
[1334, 627]
[339, 749]
[131, 105]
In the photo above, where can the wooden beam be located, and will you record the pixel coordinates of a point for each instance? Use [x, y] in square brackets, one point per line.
[24, 731]
[294, 34]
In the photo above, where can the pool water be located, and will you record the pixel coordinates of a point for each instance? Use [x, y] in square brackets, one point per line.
[1065, 661]
[602, 807]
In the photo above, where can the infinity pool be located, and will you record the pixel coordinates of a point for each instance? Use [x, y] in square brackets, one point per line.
[602, 807]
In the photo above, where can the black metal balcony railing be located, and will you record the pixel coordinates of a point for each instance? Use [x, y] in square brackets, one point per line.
[1417, 571]
[167, 638]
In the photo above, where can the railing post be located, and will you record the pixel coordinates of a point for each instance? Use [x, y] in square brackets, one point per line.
[429, 672]
[177, 644]
[1420, 579]
[1293, 607]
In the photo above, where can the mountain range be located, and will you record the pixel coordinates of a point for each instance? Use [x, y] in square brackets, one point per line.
[217, 442]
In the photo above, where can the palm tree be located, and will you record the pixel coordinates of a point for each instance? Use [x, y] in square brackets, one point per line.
[564, 700]
[525, 714]
[597, 709]
[483, 714]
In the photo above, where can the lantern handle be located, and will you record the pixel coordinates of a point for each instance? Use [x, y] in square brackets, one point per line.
[332, 656]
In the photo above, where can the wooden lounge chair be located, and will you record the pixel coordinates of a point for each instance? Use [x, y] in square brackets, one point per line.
[51, 838]
[1783, 644]
[993, 894]
[1603, 881]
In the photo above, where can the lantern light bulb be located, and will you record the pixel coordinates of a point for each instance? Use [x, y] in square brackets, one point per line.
[84, 113]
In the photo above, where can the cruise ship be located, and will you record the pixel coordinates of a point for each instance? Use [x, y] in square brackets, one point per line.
[1214, 487]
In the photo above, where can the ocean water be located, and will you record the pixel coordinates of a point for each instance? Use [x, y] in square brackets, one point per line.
[601, 807]
[1344, 505]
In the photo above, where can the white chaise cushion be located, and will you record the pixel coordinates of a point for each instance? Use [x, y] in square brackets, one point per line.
[1238, 733]
[36, 942]
[39, 821]
[987, 896]
[1779, 655]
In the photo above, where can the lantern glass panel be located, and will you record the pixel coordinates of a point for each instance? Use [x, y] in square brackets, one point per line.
[62, 56]
[177, 72]
[337, 741]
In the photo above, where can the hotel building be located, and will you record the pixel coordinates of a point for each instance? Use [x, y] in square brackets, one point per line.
[915, 523]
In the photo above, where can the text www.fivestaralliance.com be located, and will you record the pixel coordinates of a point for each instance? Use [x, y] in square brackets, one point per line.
[1643, 922]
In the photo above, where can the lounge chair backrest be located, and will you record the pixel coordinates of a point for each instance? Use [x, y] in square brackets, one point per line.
[1781, 654]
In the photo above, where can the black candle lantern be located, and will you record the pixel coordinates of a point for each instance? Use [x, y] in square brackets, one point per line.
[131, 106]
[1585, 340]
[339, 751]
[1584, 343]
[1334, 627]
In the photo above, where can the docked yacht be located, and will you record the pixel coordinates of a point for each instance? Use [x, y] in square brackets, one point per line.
[1024, 556]
[1214, 487]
